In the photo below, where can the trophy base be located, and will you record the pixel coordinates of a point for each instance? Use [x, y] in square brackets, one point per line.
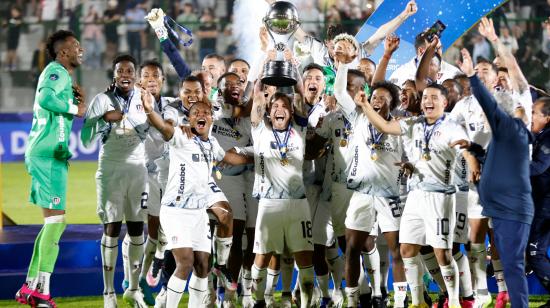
[279, 73]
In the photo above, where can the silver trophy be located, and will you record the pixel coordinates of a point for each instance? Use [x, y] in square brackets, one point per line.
[281, 22]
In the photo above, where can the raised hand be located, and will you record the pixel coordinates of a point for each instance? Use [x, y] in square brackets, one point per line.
[264, 38]
[147, 100]
[391, 43]
[487, 29]
[466, 65]
[410, 9]
[155, 18]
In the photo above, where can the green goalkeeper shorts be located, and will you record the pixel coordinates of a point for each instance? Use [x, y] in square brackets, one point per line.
[48, 182]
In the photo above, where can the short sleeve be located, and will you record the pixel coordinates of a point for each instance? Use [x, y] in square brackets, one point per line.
[458, 132]
[55, 79]
[406, 126]
[179, 139]
[171, 113]
[217, 150]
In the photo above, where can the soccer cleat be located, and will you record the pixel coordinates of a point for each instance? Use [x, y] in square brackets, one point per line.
[40, 300]
[125, 285]
[134, 298]
[378, 302]
[286, 300]
[427, 298]
[326, 302]
[365, 300]
[153, 275]
[260, 304]
[160, 301]
[483, 301]
[502, 299]
[385, 296]
[441, 300]
[223, 274]
[467, 302]
[109, 300]
[248, 301]
[22, 295]
[337, 298]
[421, 305]
[296, 297]
[147, 292]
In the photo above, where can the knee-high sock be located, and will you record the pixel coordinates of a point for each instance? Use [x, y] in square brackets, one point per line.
[125, 262]
[287, 271]
[174, 291]
[450, 276]
[336, 264]
[414, 272]
[49, 250]
[161, 245]
[477, 257]
[271, 282]
[384, 265]
[499, 275]
[399, 295]
[352, 295]
[259, 277]
[135, 256]
[109, 253]
[247, 282]
[464, 275]
[198, 291]
[433, 267]
[306, 285]
[363, 283]
[32, 274]
[322, 280]
[223, 247]
[371, 262]
[148, 254]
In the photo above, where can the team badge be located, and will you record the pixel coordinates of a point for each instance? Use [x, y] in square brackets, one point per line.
[54, 77]
[56, 200]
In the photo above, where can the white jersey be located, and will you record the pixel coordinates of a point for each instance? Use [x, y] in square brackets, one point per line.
[122, 140]
[468, 113]
[190, 172]
[232, 133]
[314, 170]
[408, 70]
[434, 174]
[273, 179]
[155, 146]
[177, 113]
[319, 52]
[374, 172]
[460, 178]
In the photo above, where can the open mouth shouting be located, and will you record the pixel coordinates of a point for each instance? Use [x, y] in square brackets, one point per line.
[235, 94]
[201, 124]
[312, 89]
[279, 118]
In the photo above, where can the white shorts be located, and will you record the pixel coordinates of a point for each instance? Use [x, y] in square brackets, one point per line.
[428, 219]
[388, 214]
[474, 204]
[155, 195]
[251, 202]
[339, 203]
[283, 225]
[122, 191]
[360, 213]
[462, 228]
[233, 188]
[186, 228]
[214, 194]
[320, 216]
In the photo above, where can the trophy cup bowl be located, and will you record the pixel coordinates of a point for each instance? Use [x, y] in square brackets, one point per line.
[281, 22]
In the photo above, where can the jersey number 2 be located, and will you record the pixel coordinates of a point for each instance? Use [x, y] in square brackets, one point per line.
[144, 198]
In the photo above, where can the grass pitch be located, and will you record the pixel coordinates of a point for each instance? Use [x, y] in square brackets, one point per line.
[81, 194]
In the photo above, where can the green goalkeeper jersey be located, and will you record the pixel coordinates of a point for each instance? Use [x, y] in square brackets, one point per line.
[54, 109]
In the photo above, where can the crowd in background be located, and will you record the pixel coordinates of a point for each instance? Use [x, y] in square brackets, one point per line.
[108, 27]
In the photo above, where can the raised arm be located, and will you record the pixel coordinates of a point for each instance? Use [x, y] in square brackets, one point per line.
[343, 99]
[156, 20]
[390, 45]
[519, 82]
[372, 42]
[424, 65]
[391, 127]
[258, 105]
[165, 128]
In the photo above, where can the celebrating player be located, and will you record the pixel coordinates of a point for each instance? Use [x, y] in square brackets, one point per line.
[56, 103]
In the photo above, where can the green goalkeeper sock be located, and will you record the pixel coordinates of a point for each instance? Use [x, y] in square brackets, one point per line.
[32, 274]
[48, 248]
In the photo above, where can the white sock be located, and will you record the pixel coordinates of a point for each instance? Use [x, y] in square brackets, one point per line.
[259, 277]
[271, 282]
[499, 276]
[363, 283]
[477, 257]
[198, 291]
[135, 256]
[371, 261]
[464, 275]
[352, 295]
[336, 265]
[223, 247]
[247, 282]
[44, 281]
[148, 254]
[32, 282]
[433, 267]
[174, 291]
[125, 263]
[400, 293]
[161, 245]
[322, 280]
[109, 253]
[306, 286]
[287, 271]
[450, 276]
[384, 265]
[414, 272]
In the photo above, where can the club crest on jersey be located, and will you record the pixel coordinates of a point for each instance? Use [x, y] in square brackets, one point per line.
[273, 145]
[54, 77]
[337, 132]
[139, 107]
[174, 239]
[196, 157]
[56, 200]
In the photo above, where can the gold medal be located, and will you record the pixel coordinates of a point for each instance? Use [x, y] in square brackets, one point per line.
[284, 162]
[283, 149]
[343, 143]
[218, 174]
[426, 156]
[373, 156]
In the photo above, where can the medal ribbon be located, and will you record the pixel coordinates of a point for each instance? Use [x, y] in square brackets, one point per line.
[376, 136]
[282, 147]
[347, 128]
[429, 132]
[168, 21]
